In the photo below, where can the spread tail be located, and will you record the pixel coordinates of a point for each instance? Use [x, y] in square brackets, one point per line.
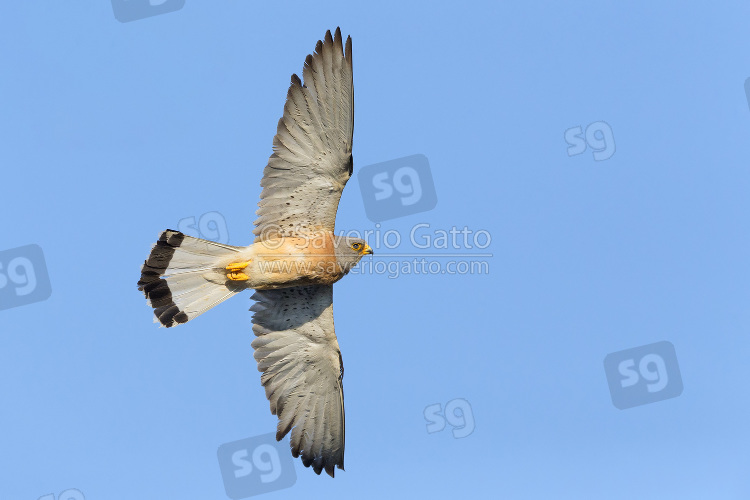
[184, 277]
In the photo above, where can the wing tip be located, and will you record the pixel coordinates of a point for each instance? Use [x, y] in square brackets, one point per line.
[338, 44]
[321, 463]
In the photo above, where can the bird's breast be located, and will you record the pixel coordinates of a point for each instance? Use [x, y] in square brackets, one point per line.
[293, 261]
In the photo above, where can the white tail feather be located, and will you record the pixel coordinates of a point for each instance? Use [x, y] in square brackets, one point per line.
[185, 277]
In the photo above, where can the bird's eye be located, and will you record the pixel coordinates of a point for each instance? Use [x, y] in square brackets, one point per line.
[357, 246]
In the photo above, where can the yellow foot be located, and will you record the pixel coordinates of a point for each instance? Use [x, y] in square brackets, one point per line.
[234, 273]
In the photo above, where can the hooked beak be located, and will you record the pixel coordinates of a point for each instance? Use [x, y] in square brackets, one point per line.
[367, 250]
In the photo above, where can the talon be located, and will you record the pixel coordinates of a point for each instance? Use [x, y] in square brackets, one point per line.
[234, 273]
[238, 266]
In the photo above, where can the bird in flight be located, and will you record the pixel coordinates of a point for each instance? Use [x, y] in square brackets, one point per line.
[292, 263]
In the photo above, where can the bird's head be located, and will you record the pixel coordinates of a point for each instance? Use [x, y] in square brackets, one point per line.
[349, 251]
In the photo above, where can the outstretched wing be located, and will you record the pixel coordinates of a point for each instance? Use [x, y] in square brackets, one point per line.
[312, 158]
[299, 356]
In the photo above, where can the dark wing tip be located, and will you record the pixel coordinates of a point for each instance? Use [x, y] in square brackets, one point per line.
[337, 42]
[330, 469]
[321, 463]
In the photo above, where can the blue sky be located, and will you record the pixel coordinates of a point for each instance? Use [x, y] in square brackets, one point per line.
[111, 132]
